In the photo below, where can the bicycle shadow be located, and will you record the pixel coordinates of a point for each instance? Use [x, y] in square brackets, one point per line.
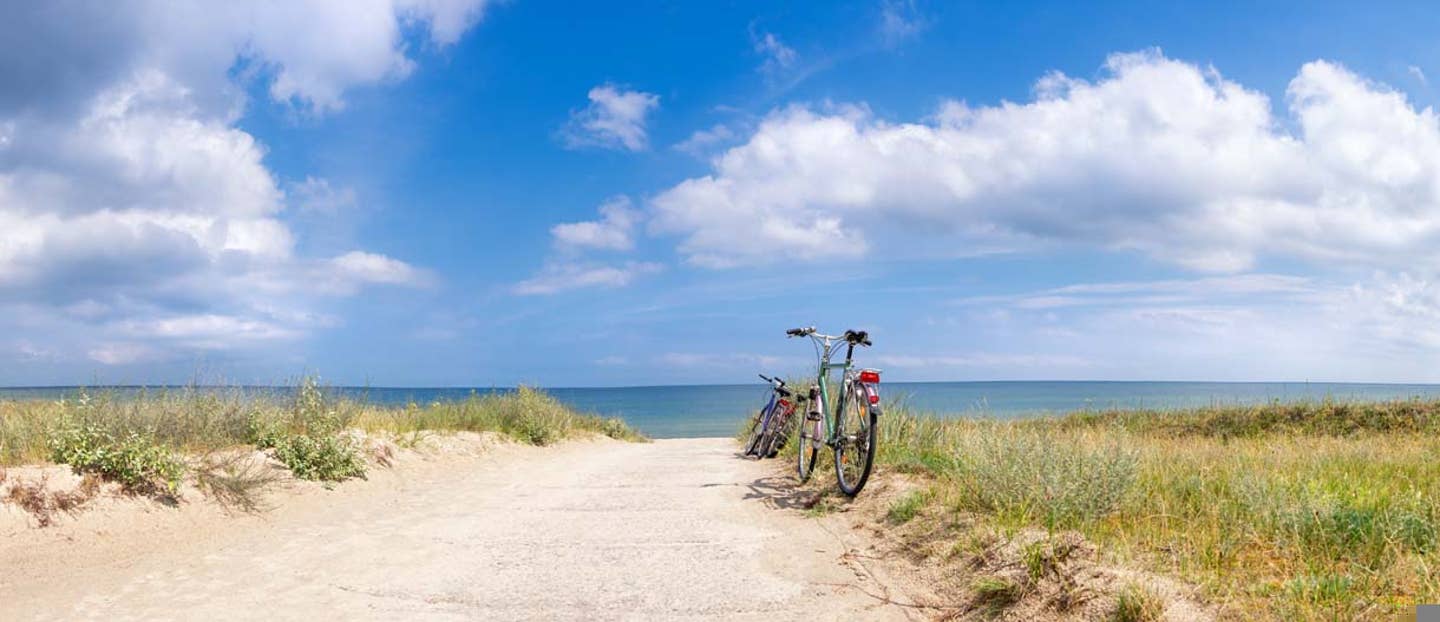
[782, 492]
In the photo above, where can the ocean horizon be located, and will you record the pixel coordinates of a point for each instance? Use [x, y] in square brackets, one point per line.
[678, 411]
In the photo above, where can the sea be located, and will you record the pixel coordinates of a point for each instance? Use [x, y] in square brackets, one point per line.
[719, 410]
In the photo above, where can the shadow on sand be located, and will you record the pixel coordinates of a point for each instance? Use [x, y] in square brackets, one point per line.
[782, 492]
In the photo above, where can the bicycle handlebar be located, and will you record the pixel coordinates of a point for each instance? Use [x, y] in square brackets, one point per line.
[856, 337]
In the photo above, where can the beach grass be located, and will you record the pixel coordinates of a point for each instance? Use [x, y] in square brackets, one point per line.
[139, 437]
[1318, 510]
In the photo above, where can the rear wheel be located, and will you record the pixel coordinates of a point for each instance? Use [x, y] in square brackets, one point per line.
[854, 441]
[756, 434]
[779, 432]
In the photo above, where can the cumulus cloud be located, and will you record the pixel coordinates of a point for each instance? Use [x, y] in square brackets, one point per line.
[570, 266]
[614, 231]
[614, 119]
[1158, 156]
[347, 273]
[131, 203]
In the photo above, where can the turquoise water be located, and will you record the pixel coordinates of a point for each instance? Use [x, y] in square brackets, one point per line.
[716, 410]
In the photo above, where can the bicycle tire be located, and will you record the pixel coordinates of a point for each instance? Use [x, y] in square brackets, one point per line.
[854, 448]
[779, 435]
[753, 440]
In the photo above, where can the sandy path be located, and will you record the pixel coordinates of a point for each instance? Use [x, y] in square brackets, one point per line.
[675, 529]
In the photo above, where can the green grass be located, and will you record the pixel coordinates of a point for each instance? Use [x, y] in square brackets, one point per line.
[140, 440]
[1317, 510]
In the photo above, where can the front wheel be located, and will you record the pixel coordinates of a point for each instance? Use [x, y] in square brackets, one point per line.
[854, 441]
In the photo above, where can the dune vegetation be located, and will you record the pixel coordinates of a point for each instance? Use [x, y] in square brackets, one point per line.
[148, 442]
[1322, 510]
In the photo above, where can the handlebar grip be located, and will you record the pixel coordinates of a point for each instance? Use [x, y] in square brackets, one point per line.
[765, 378]
[795, 332]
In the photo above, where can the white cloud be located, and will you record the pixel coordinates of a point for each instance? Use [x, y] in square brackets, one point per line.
[317, 195]
[1158, 156]
[346, 273]
[701, 142]
[615, 119]
[557, 277]
[778, 56]
[729, 361]
[983, 360]
[131, 203]
[614, 231]
[122, 353]
[1244, 327]
[899, 20]
[208, 330]
[1209, 289]
[1418, 74]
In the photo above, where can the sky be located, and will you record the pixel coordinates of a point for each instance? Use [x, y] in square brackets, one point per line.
[481, 193]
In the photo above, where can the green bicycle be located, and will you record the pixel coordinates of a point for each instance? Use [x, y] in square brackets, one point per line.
[850, 432]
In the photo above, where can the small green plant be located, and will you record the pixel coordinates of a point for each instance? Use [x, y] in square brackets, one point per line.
[995, 593]
[137, 462]
[907, 507]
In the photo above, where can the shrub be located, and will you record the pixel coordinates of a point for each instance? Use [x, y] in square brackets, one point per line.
[307, 439]
[325, 458]
[138, 463]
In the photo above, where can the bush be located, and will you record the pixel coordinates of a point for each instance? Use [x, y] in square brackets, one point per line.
[308, 441]
[138, 463]
[325, 458]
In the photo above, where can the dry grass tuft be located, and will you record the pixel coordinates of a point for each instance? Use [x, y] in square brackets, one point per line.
[235, 480]
[46, 505]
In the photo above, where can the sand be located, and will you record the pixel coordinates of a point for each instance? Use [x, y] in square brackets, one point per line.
[594, 530]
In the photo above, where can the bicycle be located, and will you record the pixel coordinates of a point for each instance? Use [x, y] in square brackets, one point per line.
[850, 432]
[768, 430]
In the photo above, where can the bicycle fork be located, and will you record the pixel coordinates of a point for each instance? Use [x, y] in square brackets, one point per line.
[813, 427]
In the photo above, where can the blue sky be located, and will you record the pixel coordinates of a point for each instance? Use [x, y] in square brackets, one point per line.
[470, 193]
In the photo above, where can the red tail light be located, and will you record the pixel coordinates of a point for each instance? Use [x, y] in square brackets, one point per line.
[869, 376]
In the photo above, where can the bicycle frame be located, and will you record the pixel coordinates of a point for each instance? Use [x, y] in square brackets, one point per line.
[826, 346]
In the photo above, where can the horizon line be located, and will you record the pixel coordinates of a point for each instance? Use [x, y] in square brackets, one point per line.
[661, 386]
